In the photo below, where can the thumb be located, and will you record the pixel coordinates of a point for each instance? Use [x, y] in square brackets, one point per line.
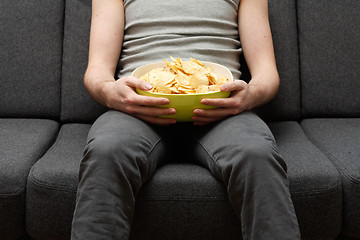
[144, 85]
[234, 85]
[139, 83]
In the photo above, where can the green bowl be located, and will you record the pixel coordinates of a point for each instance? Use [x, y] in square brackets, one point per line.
[184, 103]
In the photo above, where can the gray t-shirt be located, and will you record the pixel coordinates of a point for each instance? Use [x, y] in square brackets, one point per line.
[203, 29]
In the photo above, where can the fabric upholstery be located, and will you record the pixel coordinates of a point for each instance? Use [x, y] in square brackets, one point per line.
[339, 139]
[329, 33]
[30, 58]
[52, 185]
[22, 143]
[76, 104]
[313, 181]
[43, 56]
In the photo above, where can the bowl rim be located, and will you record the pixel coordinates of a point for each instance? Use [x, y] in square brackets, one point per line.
[183, 94]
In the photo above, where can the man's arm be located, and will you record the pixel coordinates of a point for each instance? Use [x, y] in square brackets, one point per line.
[257, 44]
[106, 37]
[256, 41]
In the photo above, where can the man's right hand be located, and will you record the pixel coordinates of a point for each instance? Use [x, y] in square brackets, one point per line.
[121, 95]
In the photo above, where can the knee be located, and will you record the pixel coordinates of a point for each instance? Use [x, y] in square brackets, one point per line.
[103, 148]
[111, 154]
[261, 155]
[110, 159]
[258, 157]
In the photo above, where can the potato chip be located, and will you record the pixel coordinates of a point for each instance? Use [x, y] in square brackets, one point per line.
[214, 88]
[198, 79]
[184, 77]
[159, 76]
[197, 61]
[202, 89]
[161, 89]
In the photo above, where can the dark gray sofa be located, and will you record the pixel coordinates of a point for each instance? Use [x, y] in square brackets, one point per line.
[45, 114]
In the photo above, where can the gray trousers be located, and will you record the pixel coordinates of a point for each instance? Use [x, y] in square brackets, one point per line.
[123, 152]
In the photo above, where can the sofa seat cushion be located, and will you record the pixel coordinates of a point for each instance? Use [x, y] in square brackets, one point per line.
[315, 184]
[339, 139]
[181, 195]
[52, 185]
[177, 189]
[22, 143]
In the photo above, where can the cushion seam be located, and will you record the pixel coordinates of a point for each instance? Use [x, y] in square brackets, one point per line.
[12, 195]
[332, 159]
[202, 199]
[316, 192]
[41, 184]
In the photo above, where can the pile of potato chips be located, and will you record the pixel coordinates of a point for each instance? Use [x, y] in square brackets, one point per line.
[184, 77]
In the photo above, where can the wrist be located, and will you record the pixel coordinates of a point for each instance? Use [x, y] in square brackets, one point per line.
[97, 85]
[263, 89]
[256, 93]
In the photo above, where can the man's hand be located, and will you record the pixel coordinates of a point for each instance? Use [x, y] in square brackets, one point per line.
[242, 98]
[121, 95]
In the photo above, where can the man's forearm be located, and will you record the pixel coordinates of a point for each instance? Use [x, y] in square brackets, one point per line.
[257, 44]
[106, 36]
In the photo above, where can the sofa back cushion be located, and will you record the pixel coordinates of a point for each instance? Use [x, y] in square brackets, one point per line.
[30, 58]
[329, 33]
[76, 104]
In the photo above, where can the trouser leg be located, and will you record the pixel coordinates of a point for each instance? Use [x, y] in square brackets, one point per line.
[242, 152]
[121, 154]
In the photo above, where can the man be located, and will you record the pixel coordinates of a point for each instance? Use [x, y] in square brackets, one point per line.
[126, 144]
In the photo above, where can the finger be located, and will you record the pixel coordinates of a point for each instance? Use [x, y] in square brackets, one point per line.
[150, 101]
[149, 111]
[219, 102]
[236, 85]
